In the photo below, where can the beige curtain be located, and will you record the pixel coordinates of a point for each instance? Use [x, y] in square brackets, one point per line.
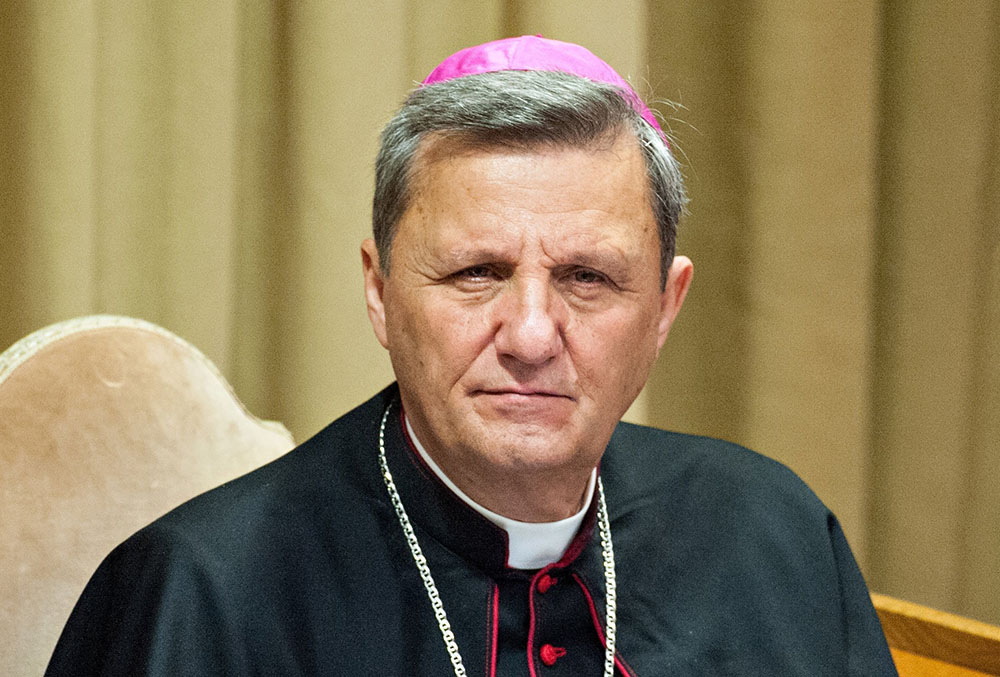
[207, 166]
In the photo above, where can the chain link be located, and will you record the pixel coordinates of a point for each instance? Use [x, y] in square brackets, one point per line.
[610, 583]
[418, 556]
[437, 605]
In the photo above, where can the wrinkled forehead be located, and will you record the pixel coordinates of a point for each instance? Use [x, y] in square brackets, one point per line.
[437, 147]
[603, 187]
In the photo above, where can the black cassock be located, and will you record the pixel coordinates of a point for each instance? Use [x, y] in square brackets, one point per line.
[727, 564]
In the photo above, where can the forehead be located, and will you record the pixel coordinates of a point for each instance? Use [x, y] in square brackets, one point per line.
[574, 193]
[437, 149]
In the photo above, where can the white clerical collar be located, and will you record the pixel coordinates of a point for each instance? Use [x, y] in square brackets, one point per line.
[531, 545]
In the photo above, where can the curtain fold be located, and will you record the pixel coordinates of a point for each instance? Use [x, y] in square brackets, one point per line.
[937, 225]
[208, 166]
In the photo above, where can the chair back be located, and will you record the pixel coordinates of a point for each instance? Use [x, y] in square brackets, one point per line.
[926, 642]
[105, 424]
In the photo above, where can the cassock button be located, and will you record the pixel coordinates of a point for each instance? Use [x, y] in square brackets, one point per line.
[544, 583]
[550, 654]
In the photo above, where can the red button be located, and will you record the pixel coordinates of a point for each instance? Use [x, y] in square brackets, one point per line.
[550, 654]
[545, 582]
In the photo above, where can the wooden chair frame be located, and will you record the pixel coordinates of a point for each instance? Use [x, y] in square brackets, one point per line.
[926, 642]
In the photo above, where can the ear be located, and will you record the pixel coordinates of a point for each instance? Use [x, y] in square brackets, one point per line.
[672, 298]
[374, 287]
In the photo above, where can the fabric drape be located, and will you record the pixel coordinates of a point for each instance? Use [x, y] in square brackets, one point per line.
[208, 166]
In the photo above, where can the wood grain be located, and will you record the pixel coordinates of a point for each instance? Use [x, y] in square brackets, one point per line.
[928, 642]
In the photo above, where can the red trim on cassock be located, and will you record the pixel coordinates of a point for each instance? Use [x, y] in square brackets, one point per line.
[496, 631]
[622, 666]
[531, 622]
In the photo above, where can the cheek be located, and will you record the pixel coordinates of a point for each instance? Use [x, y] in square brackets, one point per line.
[406, 336]
[616, 352]
[432, 342]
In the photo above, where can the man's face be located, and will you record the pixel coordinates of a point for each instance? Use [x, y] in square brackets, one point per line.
[523, 310]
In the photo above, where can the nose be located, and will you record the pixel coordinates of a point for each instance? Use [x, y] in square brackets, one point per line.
[530, 322]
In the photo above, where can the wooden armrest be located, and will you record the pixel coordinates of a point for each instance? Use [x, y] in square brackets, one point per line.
[941, 639]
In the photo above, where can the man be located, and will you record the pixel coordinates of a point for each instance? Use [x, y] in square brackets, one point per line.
[489, 515]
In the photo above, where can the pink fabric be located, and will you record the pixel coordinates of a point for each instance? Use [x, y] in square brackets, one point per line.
[535, 53]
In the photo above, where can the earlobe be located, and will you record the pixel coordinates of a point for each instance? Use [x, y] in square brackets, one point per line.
[672, 297]
[374, 288]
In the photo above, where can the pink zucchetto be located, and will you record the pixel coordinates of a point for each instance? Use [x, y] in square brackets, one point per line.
[535, 53]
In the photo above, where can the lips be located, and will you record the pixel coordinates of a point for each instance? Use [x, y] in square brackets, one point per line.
[521, 391]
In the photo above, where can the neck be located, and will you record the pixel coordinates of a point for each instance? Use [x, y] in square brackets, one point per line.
[519, 510]
[547, 493]
[540, 497]
[531, 545]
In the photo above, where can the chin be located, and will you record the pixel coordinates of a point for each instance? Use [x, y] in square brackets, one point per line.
[529, 446]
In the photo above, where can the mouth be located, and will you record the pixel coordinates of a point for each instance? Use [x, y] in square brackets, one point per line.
[524, 405]
[518, 392]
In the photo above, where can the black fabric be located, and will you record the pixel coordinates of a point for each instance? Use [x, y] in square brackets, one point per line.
[727, 565]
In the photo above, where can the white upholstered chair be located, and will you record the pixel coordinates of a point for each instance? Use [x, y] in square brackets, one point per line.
[105, 423]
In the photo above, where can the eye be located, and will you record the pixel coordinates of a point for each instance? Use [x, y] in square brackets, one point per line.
[588, 277]
[477, 278]
[476, 273]
[588, 283]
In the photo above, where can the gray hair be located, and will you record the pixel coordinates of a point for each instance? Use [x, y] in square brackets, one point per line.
[524, 110]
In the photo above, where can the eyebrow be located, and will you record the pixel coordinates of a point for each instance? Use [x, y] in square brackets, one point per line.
[606, 260]
[476, 253]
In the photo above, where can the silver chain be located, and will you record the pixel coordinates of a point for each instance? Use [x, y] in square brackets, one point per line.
[607, 553]
[610, 582]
